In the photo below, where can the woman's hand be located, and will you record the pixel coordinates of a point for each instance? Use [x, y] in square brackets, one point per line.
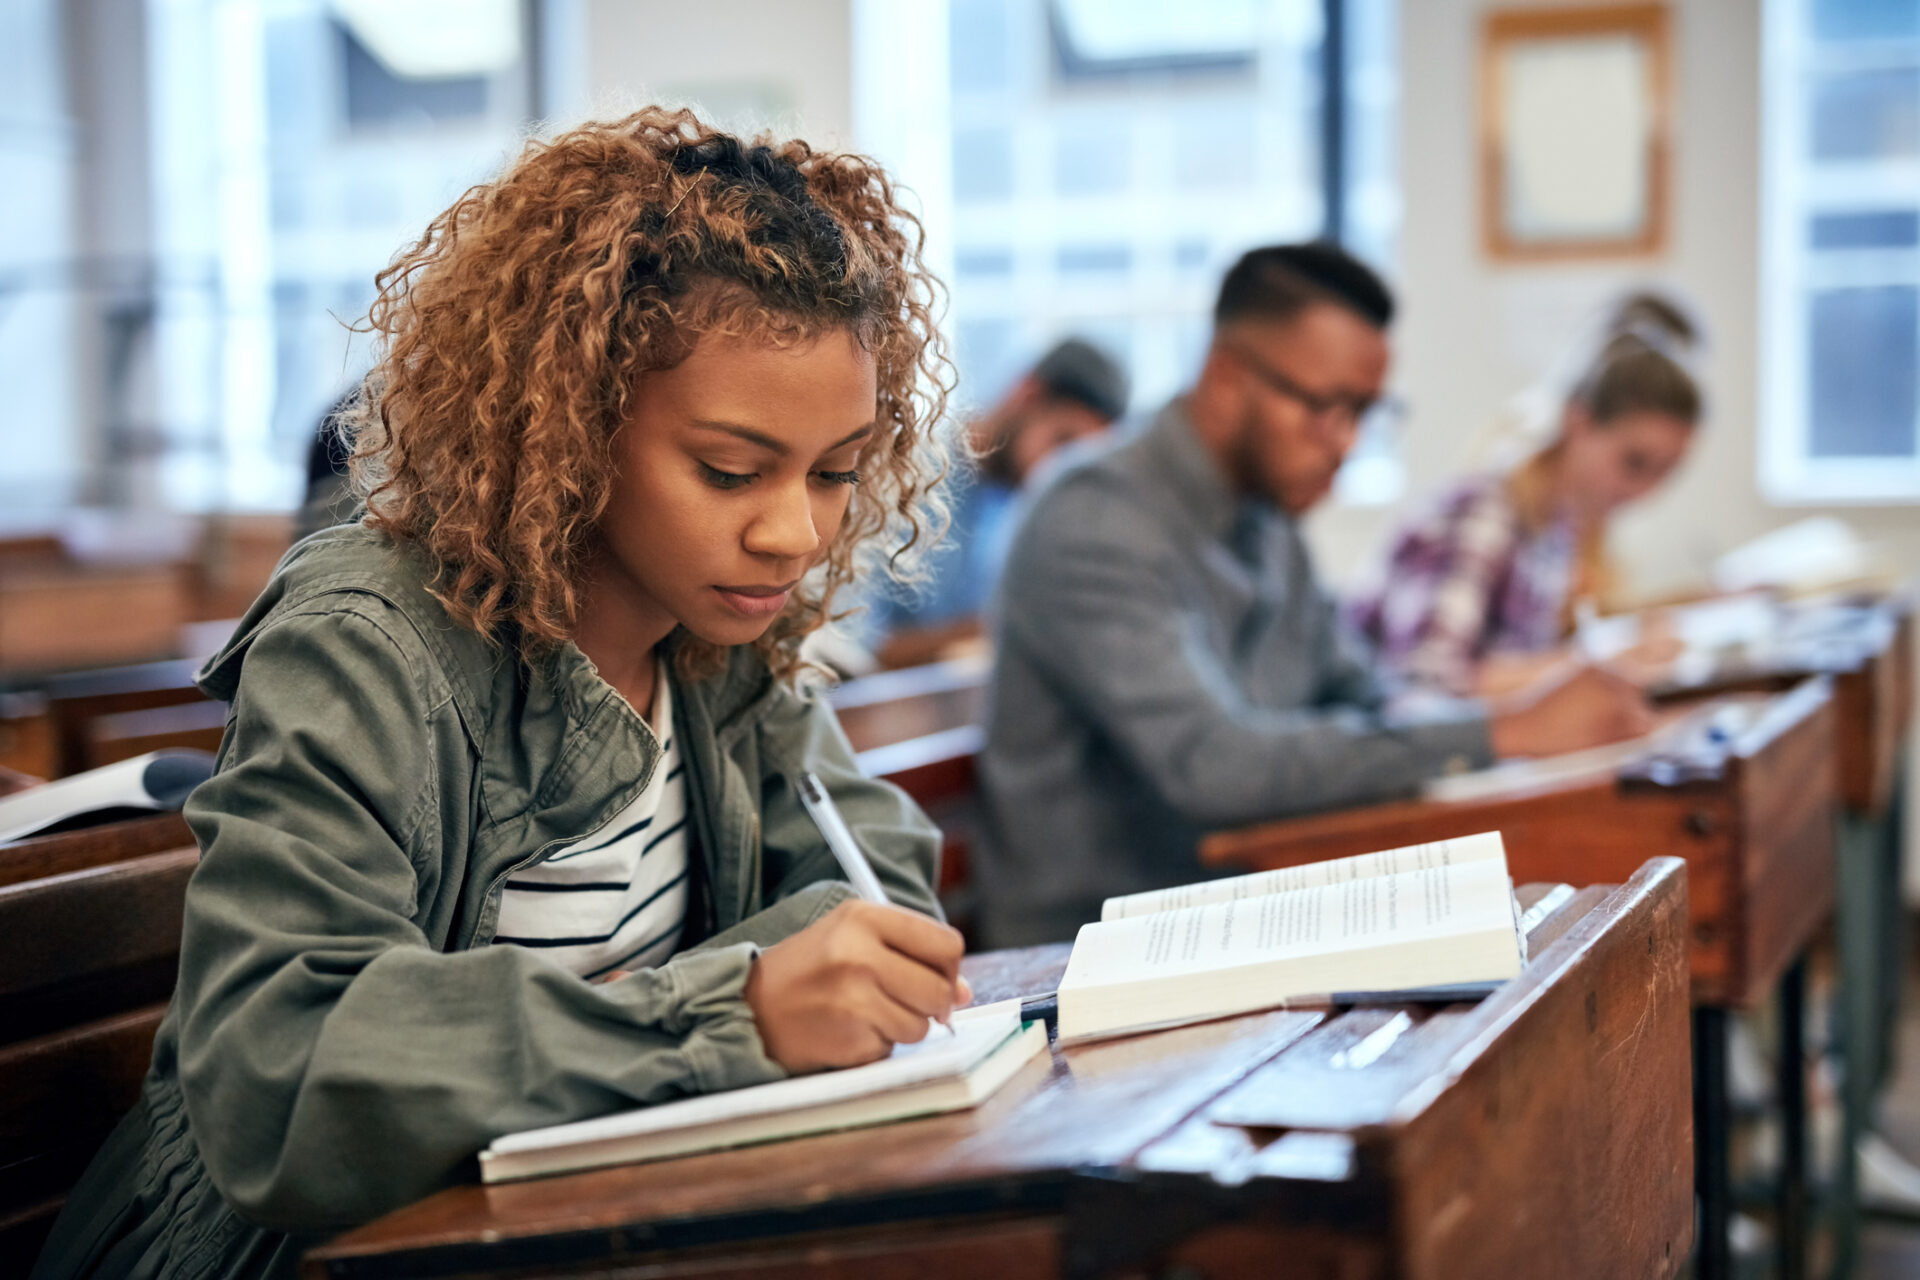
[1567, 711]
[850, 986]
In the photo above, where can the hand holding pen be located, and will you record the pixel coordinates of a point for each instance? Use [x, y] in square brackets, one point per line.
[861, 979]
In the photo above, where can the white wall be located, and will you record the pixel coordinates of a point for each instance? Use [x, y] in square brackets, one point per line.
[750, 63]
[1474, 332]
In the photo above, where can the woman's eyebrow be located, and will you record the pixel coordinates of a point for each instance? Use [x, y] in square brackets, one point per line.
[774, 444]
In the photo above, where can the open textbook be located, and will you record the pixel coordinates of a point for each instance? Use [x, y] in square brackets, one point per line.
[1430, 915]
[158, 780]
[944, 1072]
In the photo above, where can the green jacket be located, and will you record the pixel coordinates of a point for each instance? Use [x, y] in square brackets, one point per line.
[343, 1039]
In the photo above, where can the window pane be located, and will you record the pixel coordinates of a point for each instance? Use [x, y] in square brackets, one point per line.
[1162, 141]
[985, 355]
[980, 52]
[1863, 400]
[1865, 19]
[982, 164]
[377, 97]
[1893, 229]
[1216, 144]
[983, 264]
[1090, 157]
[1866, 115]
[1095, 260]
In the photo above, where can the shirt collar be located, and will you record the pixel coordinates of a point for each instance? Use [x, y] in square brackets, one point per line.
[1197, 479]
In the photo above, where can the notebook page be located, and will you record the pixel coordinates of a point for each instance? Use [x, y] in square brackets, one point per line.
[976, 1033]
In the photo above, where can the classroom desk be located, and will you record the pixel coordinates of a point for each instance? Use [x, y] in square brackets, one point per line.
[1753, 824]
[1867, 648]
[1547, 1125]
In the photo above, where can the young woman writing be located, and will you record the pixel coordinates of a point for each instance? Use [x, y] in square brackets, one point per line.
[1479, 592]
[502, 834]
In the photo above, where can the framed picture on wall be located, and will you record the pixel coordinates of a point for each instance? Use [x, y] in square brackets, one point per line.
[1574, 131]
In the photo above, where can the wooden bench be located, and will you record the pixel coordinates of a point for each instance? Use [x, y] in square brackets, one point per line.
[914, 702]
[38, 857]
[88, 959]
[920, 729]
[26, 734]
[77, 700]
[1545, 1128]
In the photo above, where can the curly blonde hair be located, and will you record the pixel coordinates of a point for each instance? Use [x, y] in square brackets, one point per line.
[512, 336]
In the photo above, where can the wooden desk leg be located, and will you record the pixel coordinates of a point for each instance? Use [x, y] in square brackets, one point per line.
[1792, 1086]
[1711, 1130]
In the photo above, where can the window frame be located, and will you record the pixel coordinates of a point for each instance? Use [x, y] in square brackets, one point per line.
[1794, 189]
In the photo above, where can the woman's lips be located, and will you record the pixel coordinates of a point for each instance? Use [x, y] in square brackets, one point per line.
[756, 602]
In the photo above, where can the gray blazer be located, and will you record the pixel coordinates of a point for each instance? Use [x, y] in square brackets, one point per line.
[1169, 665]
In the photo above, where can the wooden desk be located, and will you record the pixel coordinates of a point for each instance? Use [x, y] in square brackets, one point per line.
[1548, 1122]
[1867, 649]
[1755, 828]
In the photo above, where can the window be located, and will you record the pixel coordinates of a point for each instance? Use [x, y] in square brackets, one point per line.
[298, 146]
[1110, 158]
[1841, 397]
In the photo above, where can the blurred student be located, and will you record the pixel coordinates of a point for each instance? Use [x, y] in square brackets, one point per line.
[1478, 593]
[329, 498]
[501, 835]
[1076, 391]
[1167, 662]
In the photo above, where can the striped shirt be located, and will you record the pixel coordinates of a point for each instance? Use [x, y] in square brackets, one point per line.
[617, 897]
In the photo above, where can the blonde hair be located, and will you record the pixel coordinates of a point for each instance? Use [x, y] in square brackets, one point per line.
[512, 335]
[1641, 364]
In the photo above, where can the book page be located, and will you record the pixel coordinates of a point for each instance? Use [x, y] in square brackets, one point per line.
[157, 780]
[1485, 847]
[1440, 898]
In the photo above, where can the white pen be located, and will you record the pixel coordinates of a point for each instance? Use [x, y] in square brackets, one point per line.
[826, 816]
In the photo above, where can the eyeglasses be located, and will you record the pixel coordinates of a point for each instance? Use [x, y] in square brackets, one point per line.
[1365, 415]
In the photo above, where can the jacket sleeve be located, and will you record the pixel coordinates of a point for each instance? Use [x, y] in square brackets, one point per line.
[799, 732]
[334, 1064]
[1092, 600]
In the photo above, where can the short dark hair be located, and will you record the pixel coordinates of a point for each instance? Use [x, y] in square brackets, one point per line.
[1077, 370]
[1277, 282]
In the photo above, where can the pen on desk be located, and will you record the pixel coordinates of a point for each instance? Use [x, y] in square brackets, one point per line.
[833, 828]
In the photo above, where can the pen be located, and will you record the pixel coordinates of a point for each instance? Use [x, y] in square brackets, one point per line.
[826, 816]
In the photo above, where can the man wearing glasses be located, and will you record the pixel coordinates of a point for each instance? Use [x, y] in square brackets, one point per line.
[1167, 663]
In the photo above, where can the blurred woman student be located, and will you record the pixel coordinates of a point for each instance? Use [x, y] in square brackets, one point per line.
[1478, 593]
[501, 834]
